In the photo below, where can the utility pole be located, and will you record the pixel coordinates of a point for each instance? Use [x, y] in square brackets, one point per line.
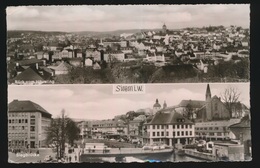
[62, 134]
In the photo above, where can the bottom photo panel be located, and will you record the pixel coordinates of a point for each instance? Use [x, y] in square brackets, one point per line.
[129, 123]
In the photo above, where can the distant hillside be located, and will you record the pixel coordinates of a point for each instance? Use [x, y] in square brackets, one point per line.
[18, 33]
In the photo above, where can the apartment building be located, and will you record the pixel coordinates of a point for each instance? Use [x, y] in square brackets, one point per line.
[27, 123]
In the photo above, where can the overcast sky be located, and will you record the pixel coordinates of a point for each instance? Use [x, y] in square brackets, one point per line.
[116, 17]
[99, 102]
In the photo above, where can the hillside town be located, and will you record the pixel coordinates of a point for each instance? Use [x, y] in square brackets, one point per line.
[190, 125]
[207, 54]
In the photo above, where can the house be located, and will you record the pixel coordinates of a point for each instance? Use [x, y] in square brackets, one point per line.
[93, 53]
[76, 62]
[242, 131]
[32, 76]
[170, 127]
[62, 68]
[27, 123]
[96, 66]
[114, 56]
[88, 62]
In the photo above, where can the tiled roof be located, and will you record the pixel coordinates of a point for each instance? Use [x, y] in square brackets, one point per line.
[169, 116]
[30, 74]
[29, 61]
[193, 103]
[26, 106]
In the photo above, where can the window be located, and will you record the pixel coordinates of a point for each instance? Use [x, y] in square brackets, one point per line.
[190, 126]
[158, 133]
[219, 134]
[186, 126]
[153, 126]
[178, 126]
[205, 128]
[158, 126]
[153, 133]
[216, 128]
[167, 133]
[182, 126]
[178, 133]
[190, 133]
[211, 134]
[186, 133]
[173, 133]
[32, 121]
[25, 121]
[162, 126]
[10, 121]
[22, 127]
[19, 120]
[32, 128]
[167, 127]
[210, 128]
[216, 106]
[162, 134]
[173, 126]
[182, 133]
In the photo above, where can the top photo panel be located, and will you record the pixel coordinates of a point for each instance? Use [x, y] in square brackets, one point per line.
[104, 44]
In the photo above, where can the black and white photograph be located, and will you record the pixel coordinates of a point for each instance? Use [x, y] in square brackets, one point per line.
[102, 44]
[206, 122]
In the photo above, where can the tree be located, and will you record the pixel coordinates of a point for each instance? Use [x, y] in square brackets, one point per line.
[230, 96]
[62, 129]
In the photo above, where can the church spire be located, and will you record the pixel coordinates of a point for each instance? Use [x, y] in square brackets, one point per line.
[208, 93]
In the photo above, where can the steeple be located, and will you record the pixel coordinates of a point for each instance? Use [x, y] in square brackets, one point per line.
[164, 104]
[208, 93]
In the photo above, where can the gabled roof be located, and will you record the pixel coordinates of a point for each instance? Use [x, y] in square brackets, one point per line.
[63, 67]
[29, 61]
[169, 116]
[192, 103]
[30, 74]
[26, 106]
[244, 123]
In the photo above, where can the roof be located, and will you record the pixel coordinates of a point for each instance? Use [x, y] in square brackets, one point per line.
[169, 116]
[244, 123]
[29, 61]
[26, 106]
[192, 103]
[63, 67]
[30, 74]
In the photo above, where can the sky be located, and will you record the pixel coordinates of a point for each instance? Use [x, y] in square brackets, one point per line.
[98, 101]
[119, 17]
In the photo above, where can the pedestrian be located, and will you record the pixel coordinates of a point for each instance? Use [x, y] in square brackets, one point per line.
[69, 158]
[75, 157]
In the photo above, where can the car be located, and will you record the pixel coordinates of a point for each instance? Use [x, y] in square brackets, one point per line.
[147, 147]
[112, 139]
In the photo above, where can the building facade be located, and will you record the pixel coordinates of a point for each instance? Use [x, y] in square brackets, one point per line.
[27, 123]
[170, 127]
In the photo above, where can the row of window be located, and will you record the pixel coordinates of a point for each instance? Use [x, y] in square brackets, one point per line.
[210, 128]
[173, 126]
[18, 121]
[177, 133]
[21, 115]
[210, 134]
[32, 128]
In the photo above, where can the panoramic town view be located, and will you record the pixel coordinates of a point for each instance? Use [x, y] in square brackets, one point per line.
[191, 122]
[128, 83]
[150, 49]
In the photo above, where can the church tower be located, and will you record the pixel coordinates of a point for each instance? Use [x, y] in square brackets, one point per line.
[164, 105]
[164, 28]
[208, 93]
[156, 106]
[208, 116]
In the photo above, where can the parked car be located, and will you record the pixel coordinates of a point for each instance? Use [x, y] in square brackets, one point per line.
[47, 158]
[147, 147]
